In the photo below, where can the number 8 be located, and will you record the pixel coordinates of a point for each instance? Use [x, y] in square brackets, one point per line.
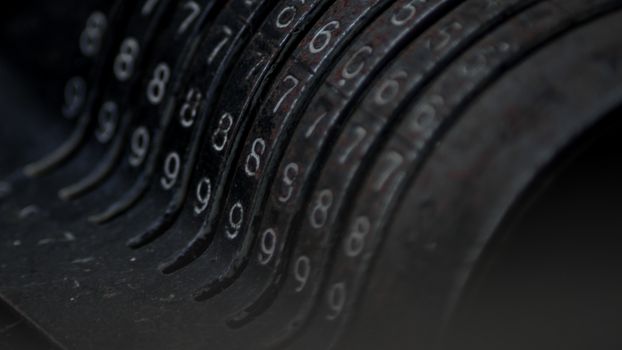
[93, 34]
[253, 161]
[125, 60]
[190, 108]
[355, 242]
[157, 86]
[319, 215]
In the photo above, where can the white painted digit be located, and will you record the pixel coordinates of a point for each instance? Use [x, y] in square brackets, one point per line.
[157, 86]
[290, 173]
[355, 242]
[315, 124]
[75, 97]
[405, 13]
[444, 37]
[268, 246]
[92, 36]
[126, 59]
[190, 108]
[203, 194]
[108, 119]
[212, 56]
[236, 218]
[359, 135]
[194, 11]
[139, 146]
[260, 62]
[425, 115]
[355, 64]
[302, 271]
[393, 161]
[323, 37]
[253, 160]
[295, 82]
[319, 214]
[221, 135]
[390, 88]
[286, 17]
[336, 300]
[172, 165]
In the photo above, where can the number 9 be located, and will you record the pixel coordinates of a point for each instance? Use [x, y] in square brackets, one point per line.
[268, 246]
[75, 97]
[139, 146]
[302, 270]
[172, 165]
[336, 300]
[204, 194]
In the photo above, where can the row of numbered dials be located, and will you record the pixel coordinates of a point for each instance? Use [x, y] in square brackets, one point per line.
[276, 137]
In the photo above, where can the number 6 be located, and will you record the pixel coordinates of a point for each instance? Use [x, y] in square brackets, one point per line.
[324, 36]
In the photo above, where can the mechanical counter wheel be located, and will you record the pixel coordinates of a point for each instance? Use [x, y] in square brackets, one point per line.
[346, 174]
